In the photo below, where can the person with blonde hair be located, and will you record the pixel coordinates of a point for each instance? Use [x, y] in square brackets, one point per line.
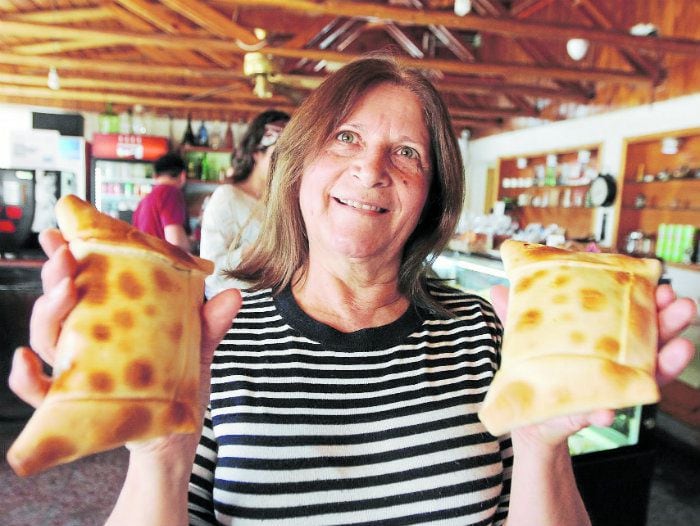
[343, 386]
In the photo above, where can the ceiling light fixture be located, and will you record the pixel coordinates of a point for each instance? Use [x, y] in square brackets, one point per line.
[577, 48]
[53, 81]
[463, 7]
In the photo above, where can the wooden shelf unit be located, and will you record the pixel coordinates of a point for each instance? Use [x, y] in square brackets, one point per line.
[672, 201]
[577, 219]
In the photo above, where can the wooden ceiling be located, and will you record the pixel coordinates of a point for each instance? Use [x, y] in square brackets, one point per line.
[502, 66]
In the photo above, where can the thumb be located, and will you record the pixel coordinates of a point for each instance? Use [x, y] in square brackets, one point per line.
[499, 298]
[217, 315]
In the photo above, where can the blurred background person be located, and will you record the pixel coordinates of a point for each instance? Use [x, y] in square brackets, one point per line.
[232, 215]
[163, 212]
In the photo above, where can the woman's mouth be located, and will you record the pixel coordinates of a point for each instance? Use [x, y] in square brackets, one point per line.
[360, 206]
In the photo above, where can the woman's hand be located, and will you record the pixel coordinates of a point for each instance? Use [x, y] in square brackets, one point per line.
[675, 353]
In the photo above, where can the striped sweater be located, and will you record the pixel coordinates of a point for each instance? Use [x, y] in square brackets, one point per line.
[311, 426]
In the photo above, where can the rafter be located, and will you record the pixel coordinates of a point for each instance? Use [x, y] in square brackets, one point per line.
[503, 26]
[212, 20]
[141, 12]
[64, 16]
[130, 100]
[229, 90]
[447, 66]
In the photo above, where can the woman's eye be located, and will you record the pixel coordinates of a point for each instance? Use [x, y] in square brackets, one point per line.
[406, 151]
[346, 136]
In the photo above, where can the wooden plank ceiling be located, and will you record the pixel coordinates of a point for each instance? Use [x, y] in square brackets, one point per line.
[502, 66]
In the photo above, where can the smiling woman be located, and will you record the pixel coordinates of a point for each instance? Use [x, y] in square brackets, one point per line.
[344, 384]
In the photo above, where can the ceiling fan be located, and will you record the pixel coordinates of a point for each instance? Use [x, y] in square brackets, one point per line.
[265, 74]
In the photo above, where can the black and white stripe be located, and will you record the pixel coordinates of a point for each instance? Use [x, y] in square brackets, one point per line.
[310, 426]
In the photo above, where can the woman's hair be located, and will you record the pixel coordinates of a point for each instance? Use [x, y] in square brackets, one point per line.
[243, 161]
[283, 247]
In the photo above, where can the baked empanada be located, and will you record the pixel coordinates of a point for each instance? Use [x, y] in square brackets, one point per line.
[580, 334]
[127, 357]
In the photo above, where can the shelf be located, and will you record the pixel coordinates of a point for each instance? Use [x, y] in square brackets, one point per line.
[205, 149]
[660, 209]
[682, 180]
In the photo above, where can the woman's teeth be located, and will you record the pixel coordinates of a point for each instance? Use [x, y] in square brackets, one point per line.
[361, 206]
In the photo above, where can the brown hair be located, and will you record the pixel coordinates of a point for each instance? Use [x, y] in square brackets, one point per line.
[282, 247]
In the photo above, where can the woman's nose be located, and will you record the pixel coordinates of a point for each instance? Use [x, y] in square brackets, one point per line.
[370, 168]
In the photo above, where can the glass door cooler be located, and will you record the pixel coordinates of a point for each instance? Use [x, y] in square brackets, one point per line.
[613, 465]
[121, 171]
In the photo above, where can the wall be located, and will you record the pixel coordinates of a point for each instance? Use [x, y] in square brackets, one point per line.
[609, 130]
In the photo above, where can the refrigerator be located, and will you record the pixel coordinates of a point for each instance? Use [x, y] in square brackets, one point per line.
[613, 465]
[36, 168]
[121, 170]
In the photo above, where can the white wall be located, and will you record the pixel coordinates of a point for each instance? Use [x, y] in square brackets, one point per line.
[607, 129]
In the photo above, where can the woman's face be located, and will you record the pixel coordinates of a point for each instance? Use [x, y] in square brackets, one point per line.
[362, 197]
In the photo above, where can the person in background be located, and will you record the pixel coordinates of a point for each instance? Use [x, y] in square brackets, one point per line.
[162, 213]
[232, 214]
[346, 388]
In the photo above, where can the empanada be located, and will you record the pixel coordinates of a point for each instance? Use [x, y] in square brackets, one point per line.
[127, 357]
[580, 334]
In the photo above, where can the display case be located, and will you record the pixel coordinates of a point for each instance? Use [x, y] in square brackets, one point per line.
[613, 465]
[551, 187]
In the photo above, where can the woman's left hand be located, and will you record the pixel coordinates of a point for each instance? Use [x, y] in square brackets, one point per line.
[675, 353]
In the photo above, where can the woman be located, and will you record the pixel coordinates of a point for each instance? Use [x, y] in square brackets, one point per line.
[346, 389]
[232, 215]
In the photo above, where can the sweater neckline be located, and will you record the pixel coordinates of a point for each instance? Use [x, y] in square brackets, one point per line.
[369, 339]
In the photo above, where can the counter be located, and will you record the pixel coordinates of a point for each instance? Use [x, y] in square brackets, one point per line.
[20, 286]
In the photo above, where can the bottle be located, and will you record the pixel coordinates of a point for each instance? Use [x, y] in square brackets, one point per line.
[228, 138]
[188, 138]
[138, 122]
[108, 120]
[202, 135]
[205, 168]
[125, 122]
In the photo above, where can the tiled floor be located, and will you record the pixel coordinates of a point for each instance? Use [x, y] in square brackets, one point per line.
[82, 493]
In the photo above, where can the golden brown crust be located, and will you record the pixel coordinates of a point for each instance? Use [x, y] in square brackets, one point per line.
[580, 334]
[78, 219]
[127, 357]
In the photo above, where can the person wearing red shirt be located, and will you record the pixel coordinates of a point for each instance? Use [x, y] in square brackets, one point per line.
[163, 211]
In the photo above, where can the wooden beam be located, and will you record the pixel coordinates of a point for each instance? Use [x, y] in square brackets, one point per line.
[484, 87]
[448, 66]
[61, 46]
[599, 16]
[130, 100]
[495, 112]
[212, 20]
[119, 67]
[63, 16]
[141, 12]
[503, 26]
[231, 91]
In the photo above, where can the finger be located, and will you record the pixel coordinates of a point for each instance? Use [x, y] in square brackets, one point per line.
[217, 315]
[499, 298]
[27, 379]
[673, 358]
[664, 296]
[47, 315]
[60, 265]
[675, 317]
[50, 240]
